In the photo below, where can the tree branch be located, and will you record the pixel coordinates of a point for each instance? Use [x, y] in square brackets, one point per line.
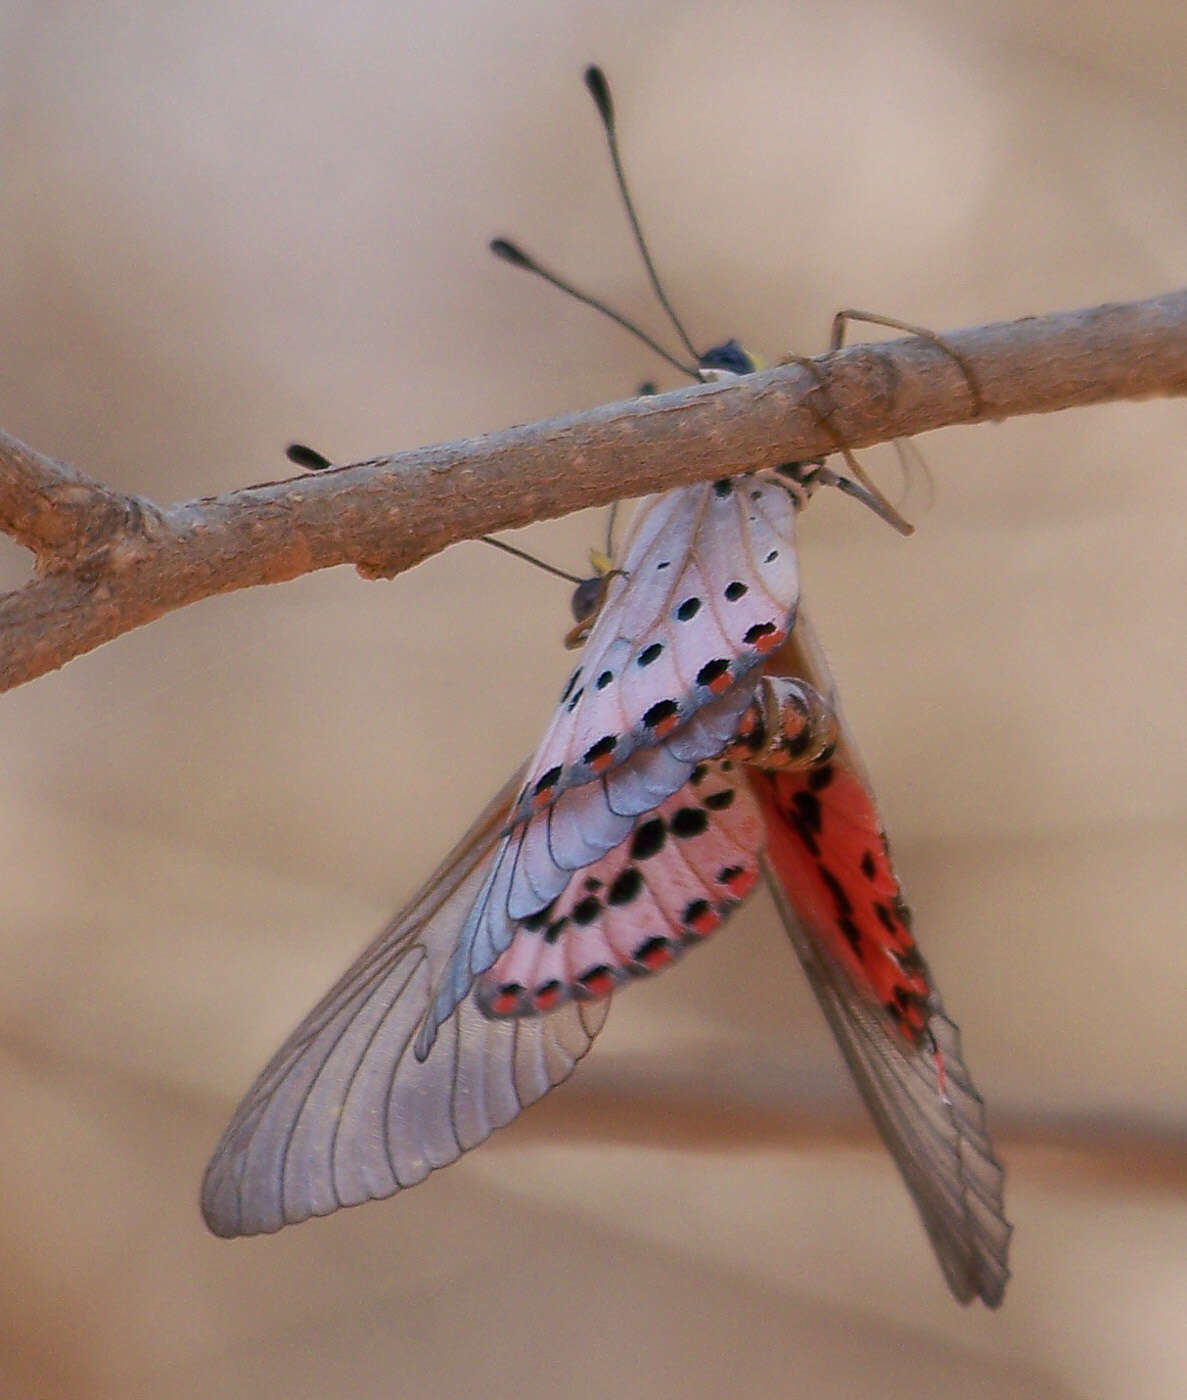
[107, 562]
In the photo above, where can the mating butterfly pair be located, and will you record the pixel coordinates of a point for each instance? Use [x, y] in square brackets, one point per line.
[697, 745]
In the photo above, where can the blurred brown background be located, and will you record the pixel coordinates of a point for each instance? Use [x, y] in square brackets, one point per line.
[228, 226]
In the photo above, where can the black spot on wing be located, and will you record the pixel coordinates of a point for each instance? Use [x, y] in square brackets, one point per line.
[625, 887]
[660, 711]
[712, 671]
[689, 821]
[547, 780]
[837, 890]
[648, 839]
[819, 778]
[807, 807]
[602, 749]
[585, 911]
[535, 922]
[694, 911]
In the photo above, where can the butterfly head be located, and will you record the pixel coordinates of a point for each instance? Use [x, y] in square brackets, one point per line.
[588, 597]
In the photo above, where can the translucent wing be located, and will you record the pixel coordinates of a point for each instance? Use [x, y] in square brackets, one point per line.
[345, 1112]
[829, 867]
[668, 885]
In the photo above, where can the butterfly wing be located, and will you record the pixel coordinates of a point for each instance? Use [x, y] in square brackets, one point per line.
[707, 590]
[667, 886]
[829, 867]
[536, 860]
[345, 1112]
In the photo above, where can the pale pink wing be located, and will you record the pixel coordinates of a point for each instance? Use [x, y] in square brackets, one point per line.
[708, 588]
[667, 886]
[829, 867]
[345, 1112]
[536, 860]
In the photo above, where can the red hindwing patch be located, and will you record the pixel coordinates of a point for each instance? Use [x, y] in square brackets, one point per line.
[826, 846]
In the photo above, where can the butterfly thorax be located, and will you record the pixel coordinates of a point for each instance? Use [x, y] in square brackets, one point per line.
[729, 357]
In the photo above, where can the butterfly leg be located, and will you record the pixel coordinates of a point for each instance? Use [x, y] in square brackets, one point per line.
[872, 496]
[870, 318]
[789, 725]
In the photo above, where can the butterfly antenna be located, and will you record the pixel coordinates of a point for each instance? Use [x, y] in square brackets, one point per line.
[530, 559]
[312, 460]
[513, 254]
[599, 90]
[864, 490]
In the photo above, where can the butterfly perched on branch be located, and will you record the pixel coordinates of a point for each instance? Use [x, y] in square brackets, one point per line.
[696, 748]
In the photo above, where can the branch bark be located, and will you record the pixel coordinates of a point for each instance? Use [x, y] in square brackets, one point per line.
[107, 562]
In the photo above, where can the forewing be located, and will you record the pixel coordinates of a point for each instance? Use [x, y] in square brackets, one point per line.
[830, 870]
[345, 1112]
[708, 588]
[667, 886]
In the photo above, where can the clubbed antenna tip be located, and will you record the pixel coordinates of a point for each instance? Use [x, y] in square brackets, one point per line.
[505, 249]
[302, 456]
[599, 90]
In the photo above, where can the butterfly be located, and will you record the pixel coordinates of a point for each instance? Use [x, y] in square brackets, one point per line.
[696, 749]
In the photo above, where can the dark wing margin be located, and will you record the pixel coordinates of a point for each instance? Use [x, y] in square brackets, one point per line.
[346, 1113]
[932, 1120]
[920, 1094]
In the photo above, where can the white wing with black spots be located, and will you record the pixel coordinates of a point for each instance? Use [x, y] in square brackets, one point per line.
[708, 589]
[668, 884]
[535, 859]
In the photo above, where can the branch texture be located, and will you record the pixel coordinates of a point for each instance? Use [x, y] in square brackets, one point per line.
[107, 562]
